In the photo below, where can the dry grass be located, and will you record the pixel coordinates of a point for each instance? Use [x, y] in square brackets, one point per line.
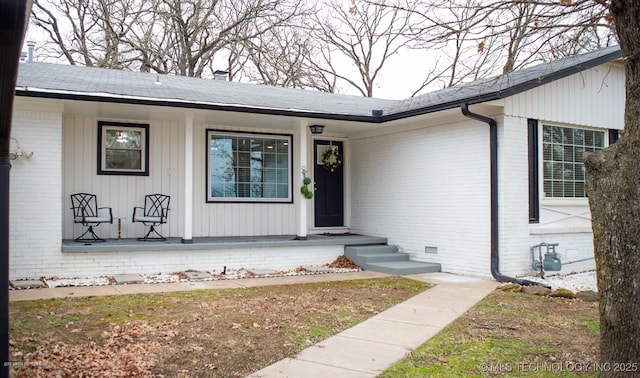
[225, 333]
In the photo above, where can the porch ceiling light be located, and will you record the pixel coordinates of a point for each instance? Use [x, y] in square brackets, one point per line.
[316, 129]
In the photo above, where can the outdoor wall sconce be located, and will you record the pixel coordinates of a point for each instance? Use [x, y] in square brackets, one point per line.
[19, 152]
[316, 129]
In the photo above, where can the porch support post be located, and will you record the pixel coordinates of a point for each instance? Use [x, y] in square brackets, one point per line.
[298, 198]
[187, 237]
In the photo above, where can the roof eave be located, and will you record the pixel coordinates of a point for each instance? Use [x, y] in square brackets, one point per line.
[193, 105]
[508, 91]
[441, 106]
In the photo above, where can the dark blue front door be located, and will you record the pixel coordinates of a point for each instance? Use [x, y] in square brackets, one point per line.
[329, 193]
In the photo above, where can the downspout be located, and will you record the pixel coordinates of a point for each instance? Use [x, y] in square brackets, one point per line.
[493, 147]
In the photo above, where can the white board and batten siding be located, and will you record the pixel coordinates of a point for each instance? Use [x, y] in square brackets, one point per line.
[122, 192]
[166, 175]
[592, 98]
[236, 219]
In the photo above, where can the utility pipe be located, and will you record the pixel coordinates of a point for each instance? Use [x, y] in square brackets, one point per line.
[493, 148]
[14, 17]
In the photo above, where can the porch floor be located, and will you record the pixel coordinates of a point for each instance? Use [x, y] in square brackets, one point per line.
[224, 242]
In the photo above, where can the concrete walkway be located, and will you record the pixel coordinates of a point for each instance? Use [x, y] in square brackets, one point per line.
[364, 350]
[86, 291]
[370, 347]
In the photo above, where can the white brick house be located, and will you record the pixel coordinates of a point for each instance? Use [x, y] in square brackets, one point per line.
[417, 172]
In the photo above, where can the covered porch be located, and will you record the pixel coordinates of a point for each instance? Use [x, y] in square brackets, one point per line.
[267, 253]
[222, 243]
[206, 254]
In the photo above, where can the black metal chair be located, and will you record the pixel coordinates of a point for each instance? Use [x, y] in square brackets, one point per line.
[86, 212]
[154, 213]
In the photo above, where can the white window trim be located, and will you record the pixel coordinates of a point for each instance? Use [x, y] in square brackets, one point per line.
[564, 201]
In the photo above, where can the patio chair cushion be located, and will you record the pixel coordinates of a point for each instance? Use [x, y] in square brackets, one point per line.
[147, 219]
[96, 220]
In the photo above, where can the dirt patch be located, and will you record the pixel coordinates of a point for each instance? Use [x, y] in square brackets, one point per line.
[570, 323]
[223, 333]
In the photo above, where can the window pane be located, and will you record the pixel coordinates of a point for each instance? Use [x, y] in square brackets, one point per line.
[556, 134]
[548, 188]
[579, 153]
[579, 137]
[123, 159]
[563, 150]
[568, 136]
[580, 172]
[588, 138]
[598, 140]
[248, 167]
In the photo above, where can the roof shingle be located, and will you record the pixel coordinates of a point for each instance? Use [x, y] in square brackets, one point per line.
[98, 84]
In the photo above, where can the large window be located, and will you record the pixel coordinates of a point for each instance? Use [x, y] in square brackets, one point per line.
[123, 148]
[563, 148]
[248, 167]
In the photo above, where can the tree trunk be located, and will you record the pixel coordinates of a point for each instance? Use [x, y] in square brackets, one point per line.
[613, 186]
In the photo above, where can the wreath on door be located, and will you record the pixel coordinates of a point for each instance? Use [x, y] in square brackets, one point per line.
[331, 159]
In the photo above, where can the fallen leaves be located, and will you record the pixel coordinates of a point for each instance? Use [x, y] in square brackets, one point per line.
[123, 354]
[343, 262]
[226, 333]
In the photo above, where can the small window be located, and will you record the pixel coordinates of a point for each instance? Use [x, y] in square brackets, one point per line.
[248, 167]
[123, 148]
[563, 149]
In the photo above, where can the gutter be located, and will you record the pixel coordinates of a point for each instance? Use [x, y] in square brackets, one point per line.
[493, 147]
[185, 104]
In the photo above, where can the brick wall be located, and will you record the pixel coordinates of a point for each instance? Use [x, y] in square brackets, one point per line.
[71, 264]
[35, 192]
[427, 187]
[513, 184]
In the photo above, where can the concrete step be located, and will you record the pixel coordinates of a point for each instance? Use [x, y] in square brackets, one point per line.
[364, 254]
[369, 249]
[387, 259]
[380, 257]
[401, 268]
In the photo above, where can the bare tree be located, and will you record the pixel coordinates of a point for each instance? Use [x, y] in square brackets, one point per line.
[541, 29]
[166, 36]
[282, 56]
[362, 35]
[474, 38]
[457, 30]
[73, 27]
